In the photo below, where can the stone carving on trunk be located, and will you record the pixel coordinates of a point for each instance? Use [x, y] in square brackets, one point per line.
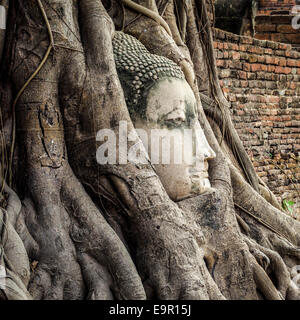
[163, 105]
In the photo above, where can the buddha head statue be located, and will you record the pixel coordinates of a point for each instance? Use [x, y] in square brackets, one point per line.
[163, 105]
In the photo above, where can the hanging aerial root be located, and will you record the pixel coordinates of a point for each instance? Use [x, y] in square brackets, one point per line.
[166, 45]
[35, 73]
[169, 17]
[223, 119]
[268, 195]
[243, 224]
[148, 13]
[208, 48]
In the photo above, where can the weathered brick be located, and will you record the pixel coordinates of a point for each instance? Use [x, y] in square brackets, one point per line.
[246, 40]
[263, 36]
[285, 28]
[271, 68]
[268, 51]
[276, 37]
[265, 98]
[285, 46]
[282, 62]
[292, 38]
[270, 60]
[242, 75]
[246, 66]
[242, 48]
[265, 27]
[256, 67]
[284, 70]
[291, 63]
[220, 63]
[224, 73]
[236, 55]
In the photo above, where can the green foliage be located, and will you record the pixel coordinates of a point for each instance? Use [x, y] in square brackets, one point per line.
[287, 205]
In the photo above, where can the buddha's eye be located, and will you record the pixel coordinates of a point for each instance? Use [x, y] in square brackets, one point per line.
[179, 119]
[176, 116]
[175, 121]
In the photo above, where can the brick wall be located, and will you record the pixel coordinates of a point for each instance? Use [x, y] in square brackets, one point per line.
[269, 6]
[277, 28]
[274, 22]
[262, 80]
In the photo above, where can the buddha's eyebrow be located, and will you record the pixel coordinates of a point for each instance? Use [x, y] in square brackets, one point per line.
[174, 110]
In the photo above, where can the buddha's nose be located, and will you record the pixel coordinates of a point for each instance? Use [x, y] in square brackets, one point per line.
[204, 150]
[209, 153]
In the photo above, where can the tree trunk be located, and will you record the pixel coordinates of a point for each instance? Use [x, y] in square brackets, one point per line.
[80, 230]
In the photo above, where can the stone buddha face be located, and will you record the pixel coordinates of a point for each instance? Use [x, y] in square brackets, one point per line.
[171, 116]
[163, 110]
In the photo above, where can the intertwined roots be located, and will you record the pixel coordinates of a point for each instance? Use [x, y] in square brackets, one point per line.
[230, 243]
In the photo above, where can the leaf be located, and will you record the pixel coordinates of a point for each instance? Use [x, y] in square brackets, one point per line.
[287, 205]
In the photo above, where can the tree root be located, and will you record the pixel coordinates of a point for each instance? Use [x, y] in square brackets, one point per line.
[264, 283]
[78, 254]
[14, 260]
[105, 263]
[98, 239]
[284, 248]
[149, 13]
[96, 277]
[258, 206]
[271, 262]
